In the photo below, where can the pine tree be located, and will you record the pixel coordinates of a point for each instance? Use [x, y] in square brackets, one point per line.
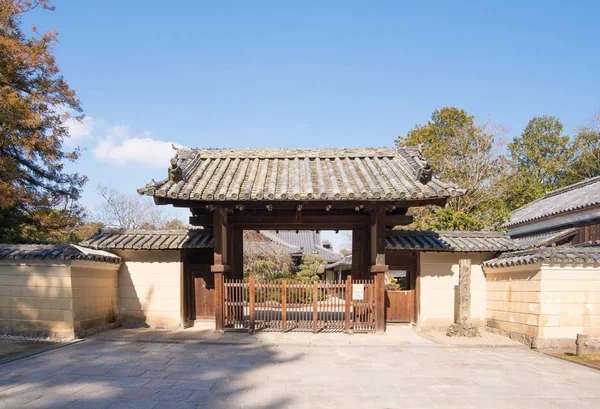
[37, 196]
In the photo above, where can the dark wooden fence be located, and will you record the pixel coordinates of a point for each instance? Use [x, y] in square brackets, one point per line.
[288, 305]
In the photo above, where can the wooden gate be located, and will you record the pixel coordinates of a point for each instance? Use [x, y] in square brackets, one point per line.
[288, 305]
[204, 289]
[399, 306]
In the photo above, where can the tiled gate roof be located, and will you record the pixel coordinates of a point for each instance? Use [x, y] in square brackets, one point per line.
[299, 174]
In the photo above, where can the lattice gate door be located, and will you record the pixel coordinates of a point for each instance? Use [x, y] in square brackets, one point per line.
[289, 305]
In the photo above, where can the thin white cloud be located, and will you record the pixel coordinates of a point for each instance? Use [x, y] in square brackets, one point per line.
[119, 131]
[79, 130]
[129, 150]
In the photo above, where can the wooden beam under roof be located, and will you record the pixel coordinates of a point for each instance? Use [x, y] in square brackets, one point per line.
[302, 222]
[306, 205]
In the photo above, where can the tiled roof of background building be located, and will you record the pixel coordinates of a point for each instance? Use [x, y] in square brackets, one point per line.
[309, 241]
[545, 239]
[574, 197]
[299, 174]
[263, 241]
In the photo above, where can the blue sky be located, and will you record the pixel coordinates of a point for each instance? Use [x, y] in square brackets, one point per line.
[310, 74]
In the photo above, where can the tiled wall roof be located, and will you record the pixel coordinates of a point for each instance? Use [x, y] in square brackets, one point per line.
[54, 252]
[557, 255]
[461, 241]
[129, 239]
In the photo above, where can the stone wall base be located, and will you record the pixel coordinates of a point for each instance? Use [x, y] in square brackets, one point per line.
[543, 343]
[515, 336]
[134, 321]
[92, 331]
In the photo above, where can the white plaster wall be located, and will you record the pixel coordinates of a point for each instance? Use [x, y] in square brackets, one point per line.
[513, 299]
[439, 277]
[36, 299]
[544, 301]
[150, 288]
[569, 301]
[56, 299]
[95, 298]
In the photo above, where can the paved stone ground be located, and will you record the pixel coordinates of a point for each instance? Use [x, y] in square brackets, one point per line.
[400, 371]
[205, 334]
[486, 339]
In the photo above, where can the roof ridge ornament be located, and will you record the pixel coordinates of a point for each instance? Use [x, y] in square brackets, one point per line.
[425, 173]
[175, 172]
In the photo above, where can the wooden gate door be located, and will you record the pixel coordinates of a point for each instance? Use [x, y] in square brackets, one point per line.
[289, 305]
[204, 284]
[399, 306]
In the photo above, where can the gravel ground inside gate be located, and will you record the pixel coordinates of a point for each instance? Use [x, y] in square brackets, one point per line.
[331, 372]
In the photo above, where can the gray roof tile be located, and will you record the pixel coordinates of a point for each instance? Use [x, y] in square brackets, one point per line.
[545, 239]
[308, 241]
[551, 255]
[132, 239]
[55, 252]
[574, 197]
[299, 174]
[452, 241]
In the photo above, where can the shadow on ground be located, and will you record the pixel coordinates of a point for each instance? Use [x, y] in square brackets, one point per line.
[11, 348]
[100, 374]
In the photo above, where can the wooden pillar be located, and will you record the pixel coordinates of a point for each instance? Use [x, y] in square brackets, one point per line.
[220, 266]
[348, 303]
[236, 253]
[283, 307]
[417, 289]
[315, 307]
[377, 267]
[251, 302]
[184, 290]
[359, 254]
[377, 242]
[219, 302]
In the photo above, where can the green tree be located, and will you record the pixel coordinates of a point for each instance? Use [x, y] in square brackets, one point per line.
[37, 196]
[468, 154]
[312, 265]
[586, 153]
[539, 159]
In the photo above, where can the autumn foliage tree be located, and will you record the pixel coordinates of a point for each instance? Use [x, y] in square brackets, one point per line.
[37, 196]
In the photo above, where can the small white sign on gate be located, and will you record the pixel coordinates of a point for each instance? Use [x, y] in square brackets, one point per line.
[358, 291]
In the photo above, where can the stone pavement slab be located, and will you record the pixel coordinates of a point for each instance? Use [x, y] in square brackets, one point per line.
[396, 370]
